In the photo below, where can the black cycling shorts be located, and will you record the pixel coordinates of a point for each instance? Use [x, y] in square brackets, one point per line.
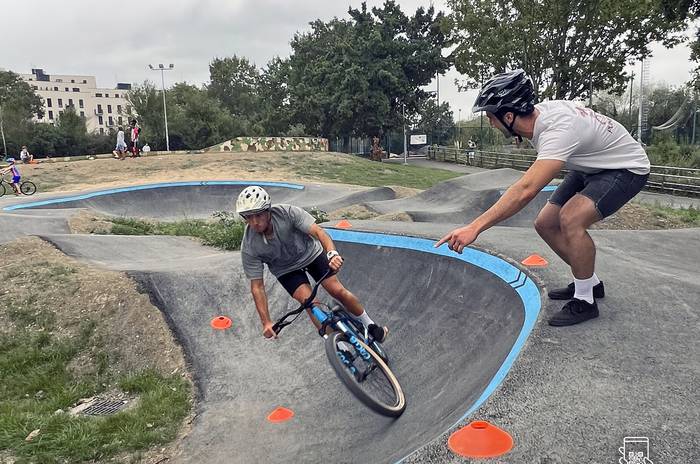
[317, 269]
[609, 189]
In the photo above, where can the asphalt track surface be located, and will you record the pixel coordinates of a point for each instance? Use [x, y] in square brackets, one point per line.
[467, 337]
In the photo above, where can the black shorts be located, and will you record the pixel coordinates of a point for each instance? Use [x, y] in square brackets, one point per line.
[609, 189]
[292, 280]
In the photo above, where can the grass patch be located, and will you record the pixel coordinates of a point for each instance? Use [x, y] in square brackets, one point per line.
[369, 173]
[225, 232]
[38, 346]
[689, 216]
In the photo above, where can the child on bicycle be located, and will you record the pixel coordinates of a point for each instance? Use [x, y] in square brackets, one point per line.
[289, 241]
[15, 175]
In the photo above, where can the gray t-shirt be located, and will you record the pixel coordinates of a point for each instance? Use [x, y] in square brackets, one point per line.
[587, 141]
[290, 247]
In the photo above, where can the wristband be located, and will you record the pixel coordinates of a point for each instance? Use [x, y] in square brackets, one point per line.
[331, 254]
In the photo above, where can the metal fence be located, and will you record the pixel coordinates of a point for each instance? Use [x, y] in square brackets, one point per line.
[666, 179]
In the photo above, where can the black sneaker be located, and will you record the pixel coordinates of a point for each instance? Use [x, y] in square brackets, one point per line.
[575, 312]
[567, 292]
[377, 332]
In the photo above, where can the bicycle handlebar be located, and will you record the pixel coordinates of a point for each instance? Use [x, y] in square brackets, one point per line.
[282, 322]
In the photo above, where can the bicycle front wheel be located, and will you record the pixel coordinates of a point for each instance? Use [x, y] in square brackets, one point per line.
[365, 374]
[27, 188]
[3, 189]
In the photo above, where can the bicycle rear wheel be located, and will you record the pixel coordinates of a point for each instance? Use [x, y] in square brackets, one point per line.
[3, 189]
[27, 187]
[365, 374]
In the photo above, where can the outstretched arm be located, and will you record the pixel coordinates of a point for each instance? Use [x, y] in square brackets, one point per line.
[257, 288]
[513, 200]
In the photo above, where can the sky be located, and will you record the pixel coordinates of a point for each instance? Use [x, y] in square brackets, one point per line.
[117, 41]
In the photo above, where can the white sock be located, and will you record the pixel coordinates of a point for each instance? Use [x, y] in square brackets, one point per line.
[584, 288]
[596, 280]
[364, 318]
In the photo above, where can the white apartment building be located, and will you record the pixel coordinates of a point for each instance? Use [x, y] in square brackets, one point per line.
[103, 109]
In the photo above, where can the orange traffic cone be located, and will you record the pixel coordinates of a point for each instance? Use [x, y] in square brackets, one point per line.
[344, 224]
[480, 440]
[535, 260]
[280, 415]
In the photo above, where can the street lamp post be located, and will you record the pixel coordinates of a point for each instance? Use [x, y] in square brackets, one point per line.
[162, 69]
[405, 148]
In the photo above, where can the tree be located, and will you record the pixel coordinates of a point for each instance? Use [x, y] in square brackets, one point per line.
[18, 104]
[687, 11]
[352, 77]
[569, 48]
[197, 120]
[436, 122]
[234, 82]
[273, 90]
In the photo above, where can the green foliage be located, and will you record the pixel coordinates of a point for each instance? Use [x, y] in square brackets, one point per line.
[37, 354]
[319, 215]
[226, 232]
[565, 46]
[352, 77]
[689, 216]
[666, 152]
[436, 122]
[18, 103]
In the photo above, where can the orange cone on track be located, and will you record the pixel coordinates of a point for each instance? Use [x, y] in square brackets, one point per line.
[535, 260]
[480, 440]
[280, 415]
[344, 224]
[221, 323]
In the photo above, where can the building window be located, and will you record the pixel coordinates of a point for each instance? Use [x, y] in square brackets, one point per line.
[59, 80]
[36, 87]
[106, 95]
[56, 89]
[82, 114]
[84, 81]
[119, 119]
[99, 109]
[70, 102]
[60, 103]
[100, 121]
[50, 114]
[48, 103]
[80, 102]
[66, 89]
[98, 94]
[119, 109]
[111, 121]
[76, 89]
[102, 131]
[73, 81]
[109, 109]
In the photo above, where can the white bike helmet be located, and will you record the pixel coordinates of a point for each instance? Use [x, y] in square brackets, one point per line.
[252, 200]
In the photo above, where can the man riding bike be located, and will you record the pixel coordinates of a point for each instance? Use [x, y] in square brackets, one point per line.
[289, 241]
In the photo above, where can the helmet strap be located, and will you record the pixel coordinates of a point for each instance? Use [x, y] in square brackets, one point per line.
[510, 126]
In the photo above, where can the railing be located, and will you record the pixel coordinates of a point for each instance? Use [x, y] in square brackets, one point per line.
[666, 179]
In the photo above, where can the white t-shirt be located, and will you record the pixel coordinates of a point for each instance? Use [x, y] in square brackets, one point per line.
[587, 141]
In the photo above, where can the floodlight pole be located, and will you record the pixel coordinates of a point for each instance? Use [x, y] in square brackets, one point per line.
[162, 69]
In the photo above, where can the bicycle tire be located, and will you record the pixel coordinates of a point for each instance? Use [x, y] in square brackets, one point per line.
[391, 408]
[27, 187]
[3, 190]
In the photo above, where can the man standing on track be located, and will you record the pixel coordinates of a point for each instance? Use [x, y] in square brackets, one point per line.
[607, 167]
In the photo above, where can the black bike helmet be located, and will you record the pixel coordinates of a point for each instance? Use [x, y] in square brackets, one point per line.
[507, 92]
[510, 91]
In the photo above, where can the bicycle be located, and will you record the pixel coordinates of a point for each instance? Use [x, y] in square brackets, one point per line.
[26, 187]
[358, 360]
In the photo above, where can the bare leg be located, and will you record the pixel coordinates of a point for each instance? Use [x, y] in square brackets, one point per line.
[548, 227]
[575, 217]
[340, 293]
[301, 294]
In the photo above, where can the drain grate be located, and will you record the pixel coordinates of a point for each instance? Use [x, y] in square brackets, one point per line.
[103, 408]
